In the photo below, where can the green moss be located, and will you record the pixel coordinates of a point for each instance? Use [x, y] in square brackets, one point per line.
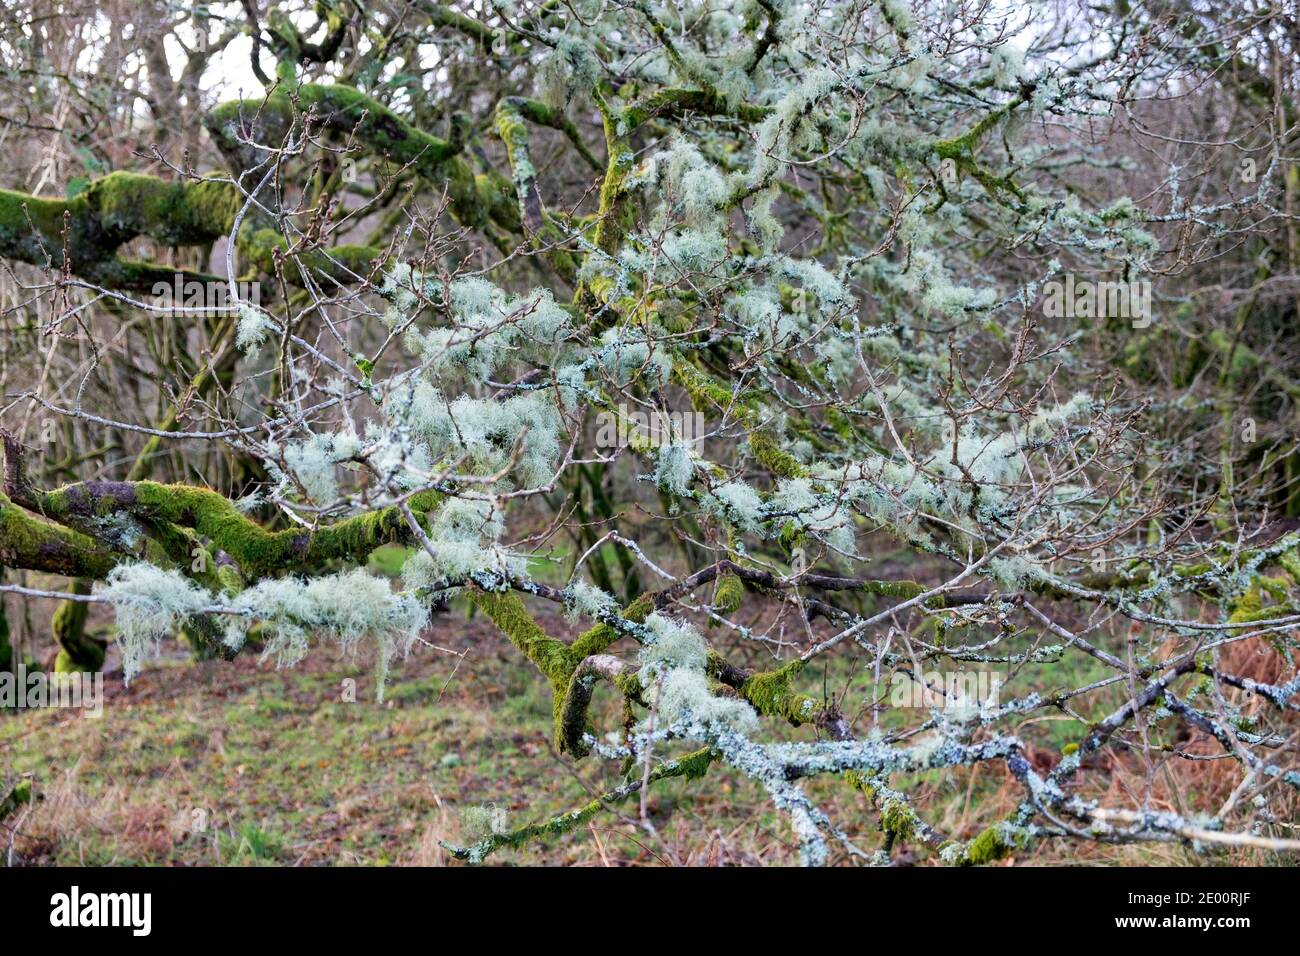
[728, 594]
[31, 227]
[840, 424]
[598, 638]
[771, 695]
[694, 765]
[259, 246]
[343, 263]
[64, 664]
[859, 781]
[989, 846]
[552, 657]
[601, 288]
[897, 819]
[1263, 614]
[675, 101]
[111, 210]
[898, 589]
[20, 213]
[257, 551]
[512, 129]
[570, 707]
[513, 114]
[30, 542]
[771, 456]
[1248, 605]
[1277, 587]
[629, 685]
[347, 111]
[703, 389]
[1290, 561]
[347, 108]
[260, 552]
[228, 578]
[962, 148]
[616, 214]
[558, 661]
[570, 714]
[790, 537]
[1249, 608]
[174, 213]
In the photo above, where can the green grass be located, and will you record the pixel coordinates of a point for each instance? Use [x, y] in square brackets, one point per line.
[278, 767]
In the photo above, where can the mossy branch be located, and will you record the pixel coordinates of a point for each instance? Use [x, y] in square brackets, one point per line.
[243, 129]
[705, 390]
[29, 542]
[513, 113]
[93, 507]
[83, 234]
[571, 715]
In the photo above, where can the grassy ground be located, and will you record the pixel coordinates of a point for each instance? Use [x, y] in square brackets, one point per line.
[238, 763]
[241, 763]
